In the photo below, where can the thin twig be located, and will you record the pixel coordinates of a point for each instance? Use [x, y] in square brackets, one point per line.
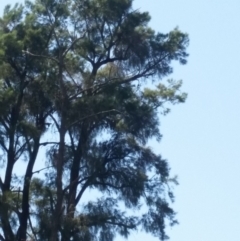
[42, 169]
[31, 226]
[41, 56]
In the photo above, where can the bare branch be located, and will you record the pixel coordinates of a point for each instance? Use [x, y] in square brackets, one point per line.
[55, 121]
[41, 56]
[48, 143]
[3, 146]
[2, 238]
[77, 181]
[72, 45]
[1, 184]
[31, 226]
[42, 169]
[21, 150]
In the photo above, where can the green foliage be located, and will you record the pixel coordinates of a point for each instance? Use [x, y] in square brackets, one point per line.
[78, 72]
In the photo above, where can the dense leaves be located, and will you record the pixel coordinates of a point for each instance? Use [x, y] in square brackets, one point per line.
[80, 95]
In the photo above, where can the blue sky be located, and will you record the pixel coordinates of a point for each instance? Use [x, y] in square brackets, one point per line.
[201, 137]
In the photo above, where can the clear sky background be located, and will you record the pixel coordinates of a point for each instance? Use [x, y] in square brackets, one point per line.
[201, 138]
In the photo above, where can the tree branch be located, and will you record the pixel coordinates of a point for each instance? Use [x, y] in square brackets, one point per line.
[42, 169]
[2, 238]
[108, 220]
[1, 184]
[55, 121]
[40, 56]
[20, 150]
[72, 44]
[89, 116]
[48, 143]
[32, 229]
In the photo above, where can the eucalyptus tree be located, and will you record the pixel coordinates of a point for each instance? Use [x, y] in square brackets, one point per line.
[88, 73]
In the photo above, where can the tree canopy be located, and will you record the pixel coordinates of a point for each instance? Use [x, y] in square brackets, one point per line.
[81, 89]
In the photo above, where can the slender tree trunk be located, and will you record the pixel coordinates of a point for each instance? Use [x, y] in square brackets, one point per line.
[7, 229]
[57, 216]
[22, 230]
[58, 209]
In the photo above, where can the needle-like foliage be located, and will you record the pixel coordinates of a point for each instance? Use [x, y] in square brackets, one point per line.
[81, 90]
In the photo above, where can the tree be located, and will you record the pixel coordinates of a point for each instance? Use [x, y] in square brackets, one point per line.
[77, 72]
